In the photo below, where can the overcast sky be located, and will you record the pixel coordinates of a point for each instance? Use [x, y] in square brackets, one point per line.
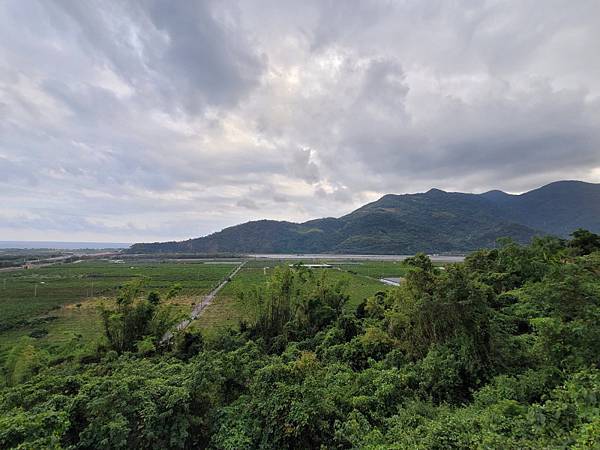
[155, 120]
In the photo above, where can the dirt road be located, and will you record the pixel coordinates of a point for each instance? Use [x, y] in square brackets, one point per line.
[204, 302]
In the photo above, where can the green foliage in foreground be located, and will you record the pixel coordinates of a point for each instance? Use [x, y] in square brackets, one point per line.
[500, 352]
[135, 322]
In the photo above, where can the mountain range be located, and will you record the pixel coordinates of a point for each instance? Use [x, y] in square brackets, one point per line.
[435, 221]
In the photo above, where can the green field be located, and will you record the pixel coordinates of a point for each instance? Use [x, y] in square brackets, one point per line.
[375, 269]
[369, 268]
[59, 304]
[228, 309]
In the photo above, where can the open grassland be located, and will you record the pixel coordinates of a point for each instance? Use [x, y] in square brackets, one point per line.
[369, 268]
[374, 269]
[378, 269]
[69, 328]
[27, 293]
[230, 307]
[58, 305]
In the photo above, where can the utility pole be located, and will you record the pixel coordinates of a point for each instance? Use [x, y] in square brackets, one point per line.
[35, 290]
[92, 289]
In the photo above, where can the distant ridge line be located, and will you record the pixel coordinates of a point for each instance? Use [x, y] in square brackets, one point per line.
[435, 221]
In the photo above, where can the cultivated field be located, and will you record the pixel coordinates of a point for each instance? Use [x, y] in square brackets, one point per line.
[58, 305]
[229, 307]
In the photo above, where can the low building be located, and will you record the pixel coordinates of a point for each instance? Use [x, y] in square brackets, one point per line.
[313, 266]
[391, 281]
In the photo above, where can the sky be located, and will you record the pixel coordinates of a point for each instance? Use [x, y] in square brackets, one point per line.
[131, 121]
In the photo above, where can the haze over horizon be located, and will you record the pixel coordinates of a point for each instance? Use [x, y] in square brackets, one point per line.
[146, 120]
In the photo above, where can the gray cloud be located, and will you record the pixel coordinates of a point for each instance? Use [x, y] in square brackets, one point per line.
[209, 58]
[302, 166]
[247, 203]
[144, 120]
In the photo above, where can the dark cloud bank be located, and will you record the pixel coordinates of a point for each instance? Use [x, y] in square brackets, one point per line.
[145, 120]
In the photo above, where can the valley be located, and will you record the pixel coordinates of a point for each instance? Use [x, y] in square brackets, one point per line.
[57, 307]
[328, 225]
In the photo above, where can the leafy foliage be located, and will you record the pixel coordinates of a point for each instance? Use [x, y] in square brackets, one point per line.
[136, 322]
[500, 352]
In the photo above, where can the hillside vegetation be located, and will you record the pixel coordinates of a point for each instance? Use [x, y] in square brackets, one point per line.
[432, 222]
[500, 352]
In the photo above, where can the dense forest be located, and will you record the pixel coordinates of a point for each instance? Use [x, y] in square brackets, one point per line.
[499, 352]
[433, 222]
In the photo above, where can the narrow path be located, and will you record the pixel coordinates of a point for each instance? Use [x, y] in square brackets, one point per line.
[204, 302]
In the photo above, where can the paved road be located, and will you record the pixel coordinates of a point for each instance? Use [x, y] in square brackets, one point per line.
[204, 302]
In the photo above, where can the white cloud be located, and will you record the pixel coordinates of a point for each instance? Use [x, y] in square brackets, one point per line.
[141, 121]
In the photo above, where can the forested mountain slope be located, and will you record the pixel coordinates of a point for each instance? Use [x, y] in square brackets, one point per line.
[434, 221]
[557, 208]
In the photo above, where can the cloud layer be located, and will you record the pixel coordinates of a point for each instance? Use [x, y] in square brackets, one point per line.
[151, 120]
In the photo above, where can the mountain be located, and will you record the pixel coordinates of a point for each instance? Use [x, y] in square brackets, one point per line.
[434, 221]
[557, 208]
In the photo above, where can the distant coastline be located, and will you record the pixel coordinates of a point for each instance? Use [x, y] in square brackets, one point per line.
[58, 245]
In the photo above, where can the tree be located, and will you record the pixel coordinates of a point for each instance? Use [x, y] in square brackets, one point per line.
[584, 242]
[134, 319]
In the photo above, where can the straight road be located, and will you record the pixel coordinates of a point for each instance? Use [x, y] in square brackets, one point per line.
[199, 308]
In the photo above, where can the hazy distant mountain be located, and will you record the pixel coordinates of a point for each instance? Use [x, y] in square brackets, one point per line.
[557, 208]
[434, 221]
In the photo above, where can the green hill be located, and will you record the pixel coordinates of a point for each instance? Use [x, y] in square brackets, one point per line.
[434, 221]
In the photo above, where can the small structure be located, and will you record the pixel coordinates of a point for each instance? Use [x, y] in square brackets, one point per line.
[391, 281]
[313, 266]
